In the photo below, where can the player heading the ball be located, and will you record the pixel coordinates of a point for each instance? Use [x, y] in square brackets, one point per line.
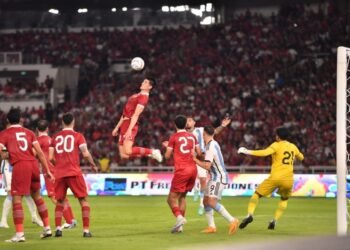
[127, 126]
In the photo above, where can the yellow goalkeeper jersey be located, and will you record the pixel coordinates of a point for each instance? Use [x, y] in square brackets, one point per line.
[283, 154]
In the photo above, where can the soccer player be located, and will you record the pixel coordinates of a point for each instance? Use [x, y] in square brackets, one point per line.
[64, 150]
[45, 141]
[181, 144]
[20, 143]
[127, 126]
[283, 154]
[202, 175]
[6, 171]
[214, 162]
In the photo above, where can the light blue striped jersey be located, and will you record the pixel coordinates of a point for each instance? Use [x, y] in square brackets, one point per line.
[214, 156]
[5, 167]
[198, 133]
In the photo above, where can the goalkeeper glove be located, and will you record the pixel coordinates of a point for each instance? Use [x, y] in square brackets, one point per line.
[243, 150]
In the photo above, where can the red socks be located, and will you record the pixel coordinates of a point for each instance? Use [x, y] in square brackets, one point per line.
[176, 211]
[42, 209]
[58, 214]
[67, 212]
[138, 152]
[18, 217]
[85, 211]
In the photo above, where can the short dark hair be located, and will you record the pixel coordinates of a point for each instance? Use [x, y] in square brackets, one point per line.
[42, 125]
[152, 79]
[282, 133]
[180, 121]
[14, 116]
[209, 129]
[67, 118]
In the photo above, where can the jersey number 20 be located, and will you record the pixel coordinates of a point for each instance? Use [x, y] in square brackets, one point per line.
[64, 144]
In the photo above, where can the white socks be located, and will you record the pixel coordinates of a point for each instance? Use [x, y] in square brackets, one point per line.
[31, 206]
[222, 210]
[6, 208]
[209, 213]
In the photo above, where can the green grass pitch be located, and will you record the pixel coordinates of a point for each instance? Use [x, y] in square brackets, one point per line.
[145, 223]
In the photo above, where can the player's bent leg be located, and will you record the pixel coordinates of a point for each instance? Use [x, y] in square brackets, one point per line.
[123, 155]
[233, 222]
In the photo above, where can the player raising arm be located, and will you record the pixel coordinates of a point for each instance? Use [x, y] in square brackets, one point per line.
[127, 126]
[64, 150]
[181, 144]
[283, 154]
[214, 162]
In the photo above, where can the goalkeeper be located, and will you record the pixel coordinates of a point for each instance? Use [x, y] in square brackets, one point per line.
[283, 154]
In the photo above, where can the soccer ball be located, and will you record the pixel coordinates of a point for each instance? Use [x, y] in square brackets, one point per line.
[137, 63]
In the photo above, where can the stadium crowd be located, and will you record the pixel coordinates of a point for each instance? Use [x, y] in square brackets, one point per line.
[263, 71]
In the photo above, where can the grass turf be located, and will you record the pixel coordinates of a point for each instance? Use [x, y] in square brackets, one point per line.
[145, 223]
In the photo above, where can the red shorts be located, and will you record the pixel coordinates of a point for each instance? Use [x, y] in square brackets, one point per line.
[182, 183]
[123, 128]
[50, 187]
[75, 183]
[25, 178]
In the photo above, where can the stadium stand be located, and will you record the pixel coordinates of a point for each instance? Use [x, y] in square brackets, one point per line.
[263, 75]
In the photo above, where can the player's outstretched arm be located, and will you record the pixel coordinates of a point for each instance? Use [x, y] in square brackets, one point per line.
[224, 123]
[43, 159]
[262, 153]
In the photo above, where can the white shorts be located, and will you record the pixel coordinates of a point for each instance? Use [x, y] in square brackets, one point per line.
[6, 171]
[201, 172]
[214, 189]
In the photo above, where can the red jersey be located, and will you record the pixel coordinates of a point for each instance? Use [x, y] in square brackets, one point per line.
[19, 142]
[66, 146]
[182, 143]
[45, 143]
[133, 101]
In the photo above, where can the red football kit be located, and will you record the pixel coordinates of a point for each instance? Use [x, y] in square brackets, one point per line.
[182, 143]
[45, 143]
[128, 111]
[67, 144]
[26, 174]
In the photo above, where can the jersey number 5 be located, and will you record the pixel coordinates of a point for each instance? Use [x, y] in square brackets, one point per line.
[184, 143]
[21, 137]
[64, 144]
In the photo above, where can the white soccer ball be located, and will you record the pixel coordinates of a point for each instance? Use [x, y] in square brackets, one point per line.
[137, 63]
